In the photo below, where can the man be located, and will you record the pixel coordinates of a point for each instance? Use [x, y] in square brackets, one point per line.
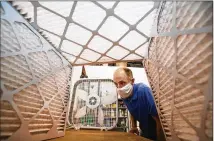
[140, 103]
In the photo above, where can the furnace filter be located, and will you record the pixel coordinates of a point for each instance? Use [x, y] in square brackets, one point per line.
[179, 68]
[34, 82]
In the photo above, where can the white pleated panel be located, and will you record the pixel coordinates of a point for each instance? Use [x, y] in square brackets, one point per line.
[117, 52]
[71, 48]
[132, 40]
[143, 50]
[90, 55]
[146, 24]
[88, 15]
[78, 34]
[131, 12]
[113, 28]
[63, 8]
[107, 4]
[100, 44]
[50, 21]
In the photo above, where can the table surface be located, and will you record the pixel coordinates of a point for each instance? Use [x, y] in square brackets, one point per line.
[97, 135]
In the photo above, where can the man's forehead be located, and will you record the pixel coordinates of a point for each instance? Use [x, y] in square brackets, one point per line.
[120, 72]
[120, 75]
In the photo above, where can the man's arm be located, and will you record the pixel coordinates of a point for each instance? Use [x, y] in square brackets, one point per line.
[158, 126]
[133, 121]
[152, 110]
[133, 125]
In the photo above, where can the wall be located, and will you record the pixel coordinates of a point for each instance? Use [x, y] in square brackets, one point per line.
[107, 72]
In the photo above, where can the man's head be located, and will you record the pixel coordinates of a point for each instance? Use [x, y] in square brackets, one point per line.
[123, 76]
[123, 79]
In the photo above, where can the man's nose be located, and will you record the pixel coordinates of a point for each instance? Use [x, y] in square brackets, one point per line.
[119, 86]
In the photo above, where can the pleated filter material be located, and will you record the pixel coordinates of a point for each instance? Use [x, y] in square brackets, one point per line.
[179, 69]
[165, 17]
[118, 23]
[12, 67]
[196, 50]
[7, 32]
[62, 79]
[176, 75]
[162, 102]
[28, 39]
[47, 20]
[33, 104]
[56, 6]
[2, 10]
[192, 15]
[41, 124]
[28, 110]
[53, 38]
[10, 122]
[209, 120]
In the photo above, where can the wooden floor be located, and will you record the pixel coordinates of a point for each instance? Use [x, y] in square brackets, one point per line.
[97, 135]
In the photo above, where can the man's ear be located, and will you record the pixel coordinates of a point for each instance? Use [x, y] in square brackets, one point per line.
[133, 81]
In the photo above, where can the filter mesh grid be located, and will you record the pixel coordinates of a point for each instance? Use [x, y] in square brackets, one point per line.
[9, 41]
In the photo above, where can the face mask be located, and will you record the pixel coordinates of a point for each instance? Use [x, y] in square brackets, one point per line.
[125, 91]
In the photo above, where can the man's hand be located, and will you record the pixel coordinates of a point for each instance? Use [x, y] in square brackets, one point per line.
[134, 130]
